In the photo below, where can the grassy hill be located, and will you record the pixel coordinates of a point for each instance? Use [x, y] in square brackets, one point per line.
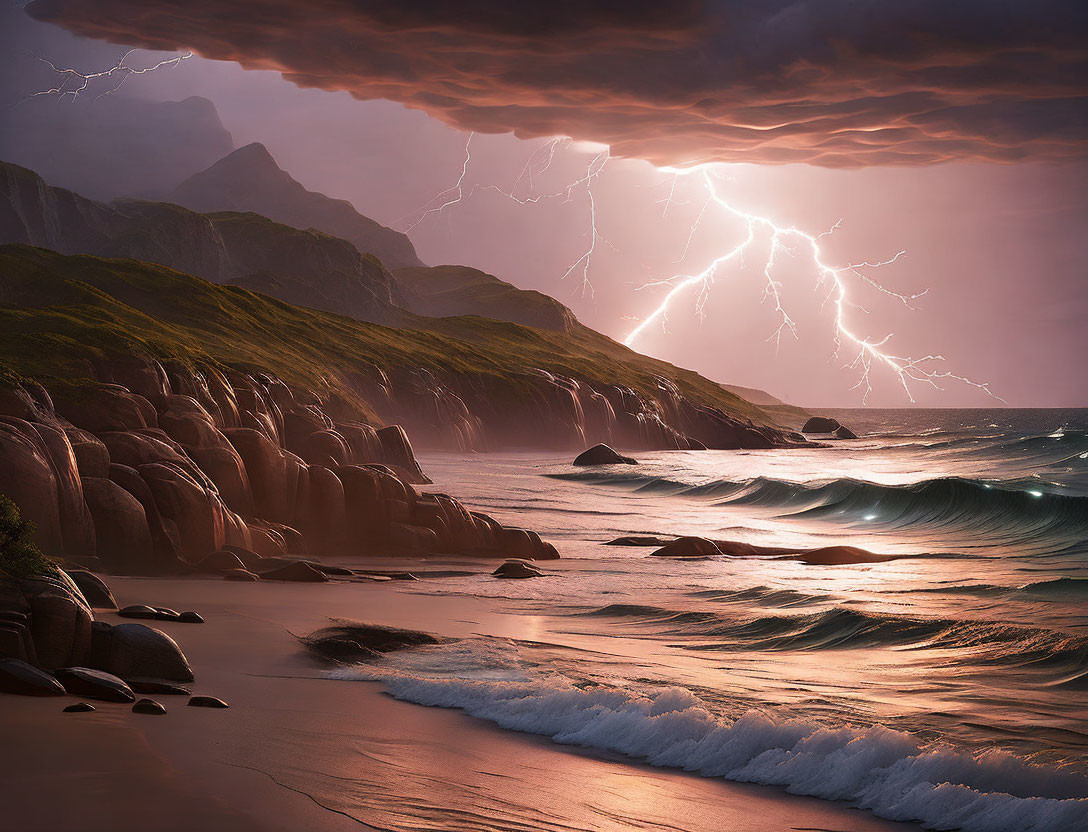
[59, 314]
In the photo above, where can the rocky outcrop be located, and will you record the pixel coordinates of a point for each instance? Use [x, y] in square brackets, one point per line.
[821, 424]
[517, 569]
[602, 455]
[180, 470]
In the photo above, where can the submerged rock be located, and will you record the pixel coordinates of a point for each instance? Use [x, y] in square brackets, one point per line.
[26, 680]
[353, 641]
[821, 424]
[298, 571]
[517, 569]
[841, 555]
[602, 455]
[207, 702]
[149, 706]
[94, 684]
[80, 708]
[638, 540]
[688, 547]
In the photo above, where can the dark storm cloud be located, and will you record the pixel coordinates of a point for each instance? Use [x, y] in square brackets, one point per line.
[829, 82]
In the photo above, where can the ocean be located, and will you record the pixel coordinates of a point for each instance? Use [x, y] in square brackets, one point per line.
[948, 686]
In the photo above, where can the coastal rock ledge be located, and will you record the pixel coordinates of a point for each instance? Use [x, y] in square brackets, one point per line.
[155, 466]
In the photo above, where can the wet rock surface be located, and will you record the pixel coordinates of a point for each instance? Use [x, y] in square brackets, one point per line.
[207, 702]
[347, 641]
[94, 684]
[80, 708]
[602, 455]
[517, 569]
[26, 680]
[150, 707]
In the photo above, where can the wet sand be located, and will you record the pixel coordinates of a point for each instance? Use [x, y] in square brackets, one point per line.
[298, 751]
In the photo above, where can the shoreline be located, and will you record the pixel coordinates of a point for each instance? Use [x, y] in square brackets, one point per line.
[296, 750]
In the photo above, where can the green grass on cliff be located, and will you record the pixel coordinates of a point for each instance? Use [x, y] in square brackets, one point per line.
[59, 314]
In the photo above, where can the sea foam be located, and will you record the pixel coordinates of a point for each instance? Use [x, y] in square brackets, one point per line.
[888, 772]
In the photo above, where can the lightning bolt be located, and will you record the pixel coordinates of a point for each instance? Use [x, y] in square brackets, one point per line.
[74, 83]
[869, 353]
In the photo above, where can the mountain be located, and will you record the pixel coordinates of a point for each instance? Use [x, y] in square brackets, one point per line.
[442, 291]
[306, 267]
[250, 180]
[114, 146]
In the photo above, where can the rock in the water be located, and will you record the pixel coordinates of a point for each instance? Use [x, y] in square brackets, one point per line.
[94, 589]
[190, 617]
[821, 424]
[220, 561]
[138, 651]
[638, 540]
[26, 680]
[840, 556]
[80, 708]
[149, 706]
[334, 643]
[240, 575]
[139, 611]
[688, 547]
[207, 702]
[94, 684]
[843, 432]
[517, 569]
[602, 455]
[167, 614]
[157, 688]
[297, 571]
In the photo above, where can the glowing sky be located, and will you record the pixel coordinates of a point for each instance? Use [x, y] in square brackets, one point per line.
[999, 246]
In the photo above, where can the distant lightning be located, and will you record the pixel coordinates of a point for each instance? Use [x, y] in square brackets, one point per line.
[870, 352]
[73, 83]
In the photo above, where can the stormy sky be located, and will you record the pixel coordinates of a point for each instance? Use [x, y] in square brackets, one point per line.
[956, 132]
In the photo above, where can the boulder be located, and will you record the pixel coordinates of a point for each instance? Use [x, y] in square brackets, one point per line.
[297, 571]
[371, 639]
[397, 451]
[92, 457]
[149, 706]
[821, 424]
[94, 589]
[94, 684]
[688, 547]
[124, 537]
[158, 688]
[80, 708]
[207, 702]
[222, 560]
[60, 620]
[139, 611]
[26, 680]
[841, 555]
[136, 651]
[517, 569]
[843, 432]
[638, 540]
[163, 556]
[190, 617]
[602, 455]
[193, 504]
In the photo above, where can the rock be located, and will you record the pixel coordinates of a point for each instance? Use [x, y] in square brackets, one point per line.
[121, 527]
[821, 424]
[190, 617]
[26, 680]
[220, 561]
[247, 556]
[297, 571]
[149, 706]
[94, 684]
[158, 688]
[80, 708]
[843, 432]
[688, 547]
[207, 702]
[139, 651]
[94, 589]
[139, 611]
[334, 642]
[59, 620]
[638, 540]
[517, 569]
[840, 555]
[240, 575]
[602, 455]
[167, 614]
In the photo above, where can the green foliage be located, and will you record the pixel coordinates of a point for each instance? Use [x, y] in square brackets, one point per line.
[59, 314]
[19, 557]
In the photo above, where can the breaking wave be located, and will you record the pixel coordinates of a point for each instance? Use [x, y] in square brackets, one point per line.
[885, 771]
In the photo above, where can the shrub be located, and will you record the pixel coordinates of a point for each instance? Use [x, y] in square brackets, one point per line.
[19, 556]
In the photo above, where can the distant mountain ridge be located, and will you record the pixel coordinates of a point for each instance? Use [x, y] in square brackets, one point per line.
[249, 179]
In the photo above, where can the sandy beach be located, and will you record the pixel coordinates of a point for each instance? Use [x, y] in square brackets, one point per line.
[300, 751]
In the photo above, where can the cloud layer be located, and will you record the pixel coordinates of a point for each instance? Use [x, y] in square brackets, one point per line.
[839, 83]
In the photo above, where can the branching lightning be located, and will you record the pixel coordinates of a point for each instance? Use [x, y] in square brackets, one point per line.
[73, 83]
[866, 354]
[870, 352]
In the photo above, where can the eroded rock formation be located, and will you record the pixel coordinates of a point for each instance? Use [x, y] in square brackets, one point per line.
[156, 467]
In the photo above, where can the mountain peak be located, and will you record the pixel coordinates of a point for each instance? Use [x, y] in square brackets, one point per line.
[253, 156]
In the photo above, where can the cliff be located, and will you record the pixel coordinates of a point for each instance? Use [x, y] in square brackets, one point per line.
[250, 180]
